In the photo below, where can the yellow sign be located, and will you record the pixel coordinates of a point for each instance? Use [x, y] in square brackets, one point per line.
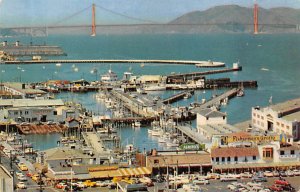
[231, 139]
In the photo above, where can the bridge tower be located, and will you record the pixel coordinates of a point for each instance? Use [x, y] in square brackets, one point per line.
[93, 20]
[255, 18]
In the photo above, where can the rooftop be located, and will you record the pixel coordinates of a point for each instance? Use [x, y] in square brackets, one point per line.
[30, 102]
[4, 173]
[220, 129]
[287, 105]
[60, 153]
[18, 87]
[234, 151]
[292, 117]
[211, 113]
[180, 159]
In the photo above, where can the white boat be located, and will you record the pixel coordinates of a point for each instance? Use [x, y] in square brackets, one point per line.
[172, 143]
[136, 124]
[149, 131]
[240, 93]
[109, 77]
[157, 132]
[161, 140]
[155, 88]
[129, 148]
[188, 95]
[264, 69]
[210, 63]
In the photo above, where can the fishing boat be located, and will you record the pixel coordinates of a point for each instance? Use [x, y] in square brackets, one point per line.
[136, 124]
[109, 77]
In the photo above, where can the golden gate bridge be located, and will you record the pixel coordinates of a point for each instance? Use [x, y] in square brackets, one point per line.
[93, 25]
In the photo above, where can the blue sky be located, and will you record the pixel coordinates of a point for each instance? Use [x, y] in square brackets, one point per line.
[47, 12]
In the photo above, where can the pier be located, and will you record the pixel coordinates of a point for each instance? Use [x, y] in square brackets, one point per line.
[132, 104]
[117, 61]
[177, 97]
[32, 50]
[194, 75]
[192, 134]
[216, 100]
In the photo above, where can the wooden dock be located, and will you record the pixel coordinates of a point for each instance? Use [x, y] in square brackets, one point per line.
[216, 100]
[192, 134]
[177, 97]
[112, 61]
[131, 104]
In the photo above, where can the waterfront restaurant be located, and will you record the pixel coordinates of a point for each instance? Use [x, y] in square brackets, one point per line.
[179, 161]
[279, 118]
[249, 152]
[21, 89]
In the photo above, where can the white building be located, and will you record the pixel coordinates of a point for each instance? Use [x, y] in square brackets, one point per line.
[280, 118]
[209, 116]
[6, 180]
[23, 90]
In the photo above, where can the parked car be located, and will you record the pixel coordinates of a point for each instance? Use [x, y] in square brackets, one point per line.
[289, 173]
[61, 186]
[276, 188]
[21, 185]
[23, 168]
[246, 175]
[281, 182]
[296, 172]
[282, 174]
[201, 182]
[225, 178]
[259, 179]
[18, 173]
[81, 184]
[268, 174]
[22, 178]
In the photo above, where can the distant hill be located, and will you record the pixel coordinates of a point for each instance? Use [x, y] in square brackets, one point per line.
[233, 18]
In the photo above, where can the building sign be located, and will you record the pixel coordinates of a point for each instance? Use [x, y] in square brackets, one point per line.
[191, 146]
[231, 139]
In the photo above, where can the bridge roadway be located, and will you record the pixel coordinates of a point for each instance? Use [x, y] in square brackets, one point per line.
[181, 62]
[216, 100]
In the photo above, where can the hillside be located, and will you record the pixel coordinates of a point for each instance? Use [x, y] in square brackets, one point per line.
[233, 18]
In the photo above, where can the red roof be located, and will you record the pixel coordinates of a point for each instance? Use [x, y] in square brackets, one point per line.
[234, 152]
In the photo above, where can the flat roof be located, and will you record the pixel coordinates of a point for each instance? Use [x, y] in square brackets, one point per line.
[217, 129]
[292, 117]
[30, 102]
[3, 173]
[290, 104]
[18, 87]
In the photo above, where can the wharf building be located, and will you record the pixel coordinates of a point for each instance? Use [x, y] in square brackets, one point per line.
[6, 180]
[22, 90]
[279, 118]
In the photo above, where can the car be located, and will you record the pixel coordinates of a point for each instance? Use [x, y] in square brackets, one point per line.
[246, 175]
[23, 168]
[289, 173]
[90, 183]
[281, 182]
[19, 173]
[101, 184]
[22, 178]
[268, 174]
[21, 185]
[61, 186]
[81, 184]
[201, 182]
[35, 177]
[275, 188]
[28, 174]
[259, 179]
[226, 178]
[276, 173]
[282, 174]
[296, 172]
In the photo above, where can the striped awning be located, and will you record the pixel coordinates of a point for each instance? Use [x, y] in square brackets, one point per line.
[123, 172]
